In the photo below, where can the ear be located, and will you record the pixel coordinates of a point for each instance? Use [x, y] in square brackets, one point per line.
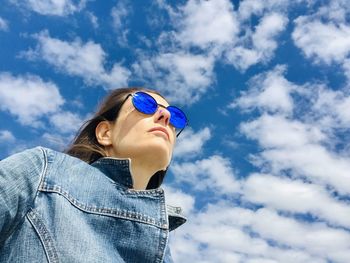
[103, 133]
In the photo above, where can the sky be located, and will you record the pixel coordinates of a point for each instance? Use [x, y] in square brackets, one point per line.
[262, 170]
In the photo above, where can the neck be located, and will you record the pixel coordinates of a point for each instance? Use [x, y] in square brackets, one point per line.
[141, 173]
[142, 168]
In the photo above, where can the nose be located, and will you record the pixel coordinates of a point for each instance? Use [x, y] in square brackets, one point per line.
[162, 116]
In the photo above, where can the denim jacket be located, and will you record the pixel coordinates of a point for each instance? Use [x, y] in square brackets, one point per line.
[57, 208]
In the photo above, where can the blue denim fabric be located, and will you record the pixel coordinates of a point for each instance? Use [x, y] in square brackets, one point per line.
[56, 208]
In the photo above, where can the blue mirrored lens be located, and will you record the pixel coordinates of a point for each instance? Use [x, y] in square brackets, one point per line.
[144, 103]
[177, 117]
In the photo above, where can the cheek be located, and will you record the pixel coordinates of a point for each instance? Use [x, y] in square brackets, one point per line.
[174, 137]
[172, 146]
[125, 135]
[130, 134]
[173, 142]
[125, 126]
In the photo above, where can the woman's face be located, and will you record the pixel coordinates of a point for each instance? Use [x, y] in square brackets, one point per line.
[149, 137]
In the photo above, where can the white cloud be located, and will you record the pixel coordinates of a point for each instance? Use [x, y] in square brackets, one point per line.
[242, 58]
[66, 122]
[182, 77]
[212, 174]
[324, 42]
[192, 70]
[52, 7]
[213, 27]
[313, 162]
[224, 233]
[269, 91]
[296, 129]
[6, 137]
[93, 19]
[56, 141]
[190, 143]
[335, 10]
[85, 60]
[248, 8]
[331, 107]
[258, 46]
[28, 97]
[120, 15]
[346, 67]
[296, 196]
[176, 197]
[296, 146]
[275, 131]
[266, 31]
[323, 36]
[300, 142]
[3, 24]
[316, 239]
[204, 23]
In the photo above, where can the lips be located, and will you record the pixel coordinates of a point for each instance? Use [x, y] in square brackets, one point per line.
[161, 129]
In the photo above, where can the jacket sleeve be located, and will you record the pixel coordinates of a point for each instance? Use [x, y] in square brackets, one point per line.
[20, 176]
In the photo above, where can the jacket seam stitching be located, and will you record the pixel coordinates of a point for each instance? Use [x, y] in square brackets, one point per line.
[43, 173]
[44, 236]
[117, 213]
[33, 200]
[165, 234]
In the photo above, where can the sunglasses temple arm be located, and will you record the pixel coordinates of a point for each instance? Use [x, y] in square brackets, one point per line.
[177, 135]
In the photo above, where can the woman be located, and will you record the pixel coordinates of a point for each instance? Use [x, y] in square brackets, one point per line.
[100, 201]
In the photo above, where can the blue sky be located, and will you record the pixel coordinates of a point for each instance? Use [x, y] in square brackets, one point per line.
[262, 172]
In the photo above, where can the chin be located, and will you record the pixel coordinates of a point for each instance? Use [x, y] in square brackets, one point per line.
[160, 153]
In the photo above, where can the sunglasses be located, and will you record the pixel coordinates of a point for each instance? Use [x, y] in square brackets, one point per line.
[145, 103]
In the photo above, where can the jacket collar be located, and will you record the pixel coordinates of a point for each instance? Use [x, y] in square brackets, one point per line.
[117, 169]
[176, 218]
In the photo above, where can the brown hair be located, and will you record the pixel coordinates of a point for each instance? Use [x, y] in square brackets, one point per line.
[85, 145]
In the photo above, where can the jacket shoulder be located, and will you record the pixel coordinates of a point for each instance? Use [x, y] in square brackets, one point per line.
[29, 159]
